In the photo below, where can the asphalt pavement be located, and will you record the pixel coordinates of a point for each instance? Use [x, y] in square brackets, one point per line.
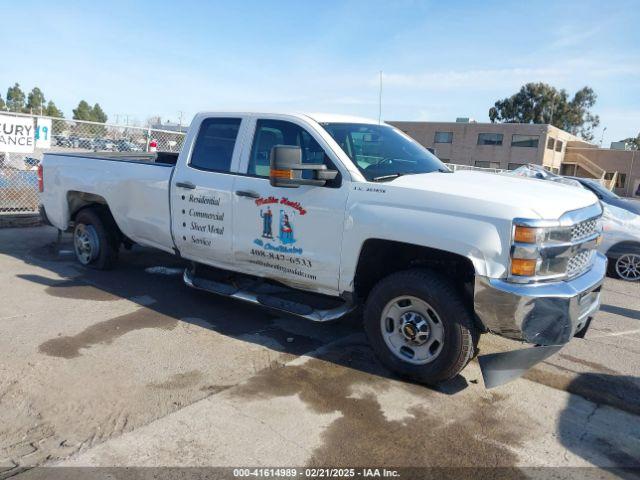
[132, 368]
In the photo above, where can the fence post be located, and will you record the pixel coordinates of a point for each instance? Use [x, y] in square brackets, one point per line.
[148, 138]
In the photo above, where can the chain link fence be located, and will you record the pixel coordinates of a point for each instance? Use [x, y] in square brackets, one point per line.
[456, 168]
[18, 171]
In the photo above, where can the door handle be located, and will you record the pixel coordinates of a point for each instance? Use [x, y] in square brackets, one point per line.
[247, 193]
[187, 184]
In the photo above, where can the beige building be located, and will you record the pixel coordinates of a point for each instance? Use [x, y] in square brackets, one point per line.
[510, 145]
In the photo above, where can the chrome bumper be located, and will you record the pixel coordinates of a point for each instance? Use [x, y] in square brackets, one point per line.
[543, 313]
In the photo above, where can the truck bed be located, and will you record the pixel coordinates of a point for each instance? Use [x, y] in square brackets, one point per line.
[134, 185]
[163, 158]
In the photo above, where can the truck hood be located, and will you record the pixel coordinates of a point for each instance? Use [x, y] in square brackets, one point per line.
[548, 200]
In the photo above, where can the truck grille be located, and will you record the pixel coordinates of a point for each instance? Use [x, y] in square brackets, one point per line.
[584, 229]
[579, 262]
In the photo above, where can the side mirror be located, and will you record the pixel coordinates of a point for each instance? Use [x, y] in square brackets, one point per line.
[287, 167]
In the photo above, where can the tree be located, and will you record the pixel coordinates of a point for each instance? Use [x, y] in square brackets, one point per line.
[3, 106]
[15, 98]
[83, 112]
[35, 102]
[92, 114]
[633, 142]
[542, 103]
[98, 114]
[53, 111]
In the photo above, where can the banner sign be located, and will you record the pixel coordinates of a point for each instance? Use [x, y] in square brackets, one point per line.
[43, 133]
[17, 134]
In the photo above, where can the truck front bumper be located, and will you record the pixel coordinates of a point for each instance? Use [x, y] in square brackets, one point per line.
[541, 313]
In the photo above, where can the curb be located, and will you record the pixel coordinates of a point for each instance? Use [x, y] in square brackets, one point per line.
[17, 220]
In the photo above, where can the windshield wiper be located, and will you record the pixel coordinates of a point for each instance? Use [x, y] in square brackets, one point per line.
[390, 176]
[386, 177]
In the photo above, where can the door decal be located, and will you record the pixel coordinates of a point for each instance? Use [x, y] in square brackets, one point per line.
[277, 245]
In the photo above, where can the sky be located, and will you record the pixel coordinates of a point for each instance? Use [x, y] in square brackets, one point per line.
[440, 60]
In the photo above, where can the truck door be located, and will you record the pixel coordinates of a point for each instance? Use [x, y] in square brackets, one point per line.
[289, 234]
[201, 194]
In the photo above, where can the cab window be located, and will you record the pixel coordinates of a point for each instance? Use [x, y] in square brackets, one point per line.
[279, 132]
[213, 149]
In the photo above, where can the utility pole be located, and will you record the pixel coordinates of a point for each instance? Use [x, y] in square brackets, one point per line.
[630, 184]
[380, 100]
[180, 113]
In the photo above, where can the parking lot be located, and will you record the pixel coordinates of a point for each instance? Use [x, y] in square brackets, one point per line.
[132, 368]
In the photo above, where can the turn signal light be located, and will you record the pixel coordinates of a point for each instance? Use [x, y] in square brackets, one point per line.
[280, 173]
[523, 267]
[525, 235]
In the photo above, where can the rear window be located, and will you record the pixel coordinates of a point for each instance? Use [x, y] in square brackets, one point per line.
[214, 146]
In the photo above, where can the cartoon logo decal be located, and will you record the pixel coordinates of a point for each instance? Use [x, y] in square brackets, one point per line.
[267, 221]
[285, 235]
[286, 230]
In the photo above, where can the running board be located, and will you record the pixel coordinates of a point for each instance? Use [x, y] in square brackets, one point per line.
[293, 308]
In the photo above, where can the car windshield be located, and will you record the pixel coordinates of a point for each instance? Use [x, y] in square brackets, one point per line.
[381, 152]
[599, 188]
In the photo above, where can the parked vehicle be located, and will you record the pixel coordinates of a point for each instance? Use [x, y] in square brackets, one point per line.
[317, 215]
[103, 145]
[74, 141]
[607, 196]
[79, 142]
[123, 145]
[61, 141]
[621, 243]
[31, 163]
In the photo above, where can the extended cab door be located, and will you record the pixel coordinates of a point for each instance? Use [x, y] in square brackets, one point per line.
[289, 234]
[201, 192]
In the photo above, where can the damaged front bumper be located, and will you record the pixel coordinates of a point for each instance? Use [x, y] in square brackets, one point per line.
[547, 315]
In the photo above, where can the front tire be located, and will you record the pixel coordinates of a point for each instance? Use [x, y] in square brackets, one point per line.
[95, 240]
[419, 326]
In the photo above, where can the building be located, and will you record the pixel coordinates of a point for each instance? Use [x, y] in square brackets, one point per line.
[510, 145]
[170, 126]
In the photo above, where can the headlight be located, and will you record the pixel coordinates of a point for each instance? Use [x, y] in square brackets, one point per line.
[552, 250]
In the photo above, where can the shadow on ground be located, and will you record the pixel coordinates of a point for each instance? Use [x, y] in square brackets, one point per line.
[165, 301]
[584, 432]
[625, 312]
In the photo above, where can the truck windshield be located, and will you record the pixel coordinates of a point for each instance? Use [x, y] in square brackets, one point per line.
[381, 152]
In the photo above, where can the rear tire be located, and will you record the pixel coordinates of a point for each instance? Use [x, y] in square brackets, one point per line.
[419, 326]
[95, 238]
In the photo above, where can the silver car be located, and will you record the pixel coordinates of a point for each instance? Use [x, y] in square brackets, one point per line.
[621, 243]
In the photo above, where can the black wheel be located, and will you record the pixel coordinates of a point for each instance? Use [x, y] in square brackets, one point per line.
[419, 326]
[95, 239]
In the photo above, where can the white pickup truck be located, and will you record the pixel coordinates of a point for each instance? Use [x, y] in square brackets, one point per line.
[316, 215]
